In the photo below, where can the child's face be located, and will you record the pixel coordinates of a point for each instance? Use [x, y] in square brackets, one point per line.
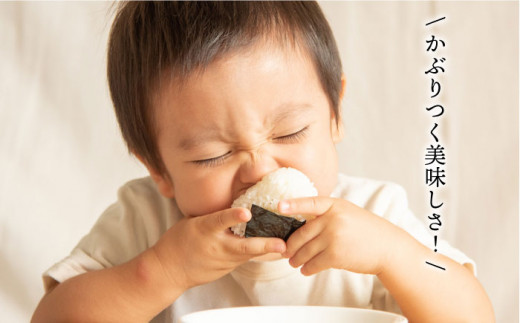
[246, 115]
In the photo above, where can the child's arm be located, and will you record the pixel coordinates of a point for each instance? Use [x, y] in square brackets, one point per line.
[193, 252]
[122, 293]
[347, 237]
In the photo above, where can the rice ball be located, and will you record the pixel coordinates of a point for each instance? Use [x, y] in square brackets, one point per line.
[284, 183]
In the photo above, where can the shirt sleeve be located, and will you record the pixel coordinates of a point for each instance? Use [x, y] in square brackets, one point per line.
[127, 228]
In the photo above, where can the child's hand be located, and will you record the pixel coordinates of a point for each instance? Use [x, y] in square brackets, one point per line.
[202, 249]
[342, 236]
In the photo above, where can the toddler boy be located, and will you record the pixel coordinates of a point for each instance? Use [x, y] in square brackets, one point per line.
[212, 96]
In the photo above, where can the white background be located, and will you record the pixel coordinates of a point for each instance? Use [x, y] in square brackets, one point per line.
[62, 157]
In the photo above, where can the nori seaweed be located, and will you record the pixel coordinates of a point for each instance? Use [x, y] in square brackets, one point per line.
[265, 223]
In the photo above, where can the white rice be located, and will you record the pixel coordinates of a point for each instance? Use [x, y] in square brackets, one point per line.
[284, 183]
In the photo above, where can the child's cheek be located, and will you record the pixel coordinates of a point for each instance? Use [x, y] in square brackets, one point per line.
[205, 196]
[320, 164]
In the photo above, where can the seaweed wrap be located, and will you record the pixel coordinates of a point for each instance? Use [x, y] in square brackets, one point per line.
[263, 198]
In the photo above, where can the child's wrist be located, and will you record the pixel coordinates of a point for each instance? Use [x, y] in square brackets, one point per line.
[405, 254]
[401, 250]
[158, 277]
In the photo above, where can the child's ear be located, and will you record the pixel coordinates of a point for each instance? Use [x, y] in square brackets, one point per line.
[336, 124]
[336, 129]
[163, 181]
[343, 87]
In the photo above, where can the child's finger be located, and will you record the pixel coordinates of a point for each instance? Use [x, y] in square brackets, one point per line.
[315, 205]
[225, 219]
[318, 263]
[258, 246]
[302, 236]
[307, 252]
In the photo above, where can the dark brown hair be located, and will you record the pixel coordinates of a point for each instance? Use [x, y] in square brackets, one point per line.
[148, 39]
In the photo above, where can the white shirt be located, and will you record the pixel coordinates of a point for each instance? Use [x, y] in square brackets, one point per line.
[141, 215]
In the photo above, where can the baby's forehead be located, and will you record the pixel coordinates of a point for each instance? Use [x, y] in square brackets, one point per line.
[244, 85]
[173, 80]
[177, 76]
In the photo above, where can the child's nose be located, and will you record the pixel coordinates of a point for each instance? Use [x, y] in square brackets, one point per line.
[256, 166]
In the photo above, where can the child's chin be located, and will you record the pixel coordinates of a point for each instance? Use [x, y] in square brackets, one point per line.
[268, 257]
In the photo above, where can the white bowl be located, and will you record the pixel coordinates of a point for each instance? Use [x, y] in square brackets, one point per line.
[288, 314]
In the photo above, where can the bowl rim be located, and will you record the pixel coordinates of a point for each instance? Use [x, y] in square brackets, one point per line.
[292, 307]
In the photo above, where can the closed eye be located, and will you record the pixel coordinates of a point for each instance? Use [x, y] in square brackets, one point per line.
[212, 162]
[293, 137]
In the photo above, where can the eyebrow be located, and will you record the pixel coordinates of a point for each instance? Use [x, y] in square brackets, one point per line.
[284, 111]
[188, 143]
[288, 110]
